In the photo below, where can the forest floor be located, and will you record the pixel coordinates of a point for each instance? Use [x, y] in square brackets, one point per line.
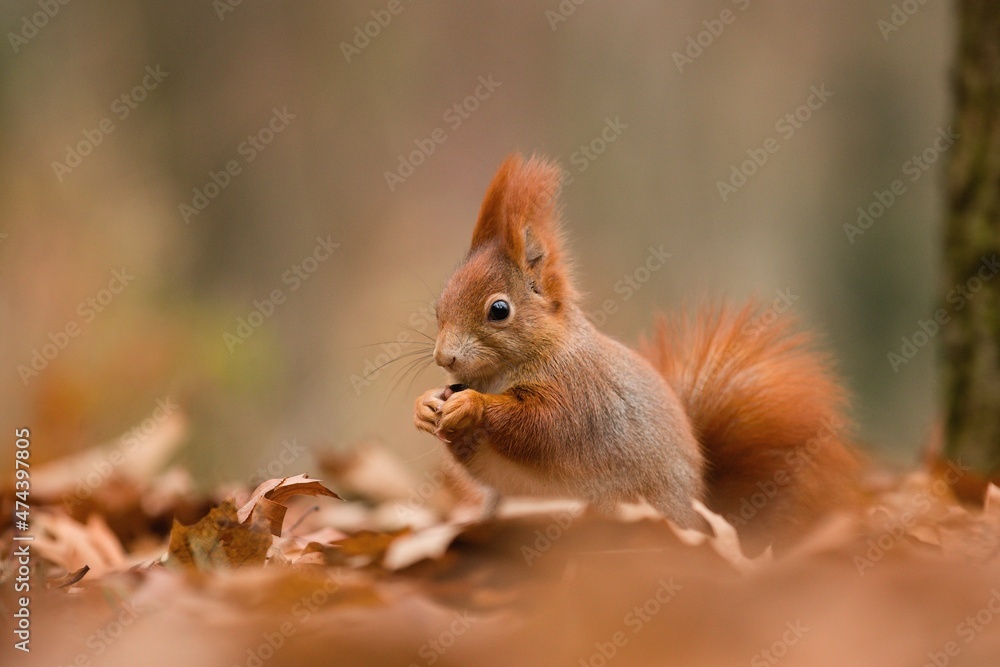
[397, 570]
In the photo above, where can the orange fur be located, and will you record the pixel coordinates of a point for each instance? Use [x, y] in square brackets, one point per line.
[519, 216]
[767, 411]
[722, 407]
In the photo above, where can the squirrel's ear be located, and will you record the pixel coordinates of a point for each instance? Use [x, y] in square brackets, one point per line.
[519, 218]
[490, 227]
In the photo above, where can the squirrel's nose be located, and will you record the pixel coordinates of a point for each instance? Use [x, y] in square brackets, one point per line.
[445, 354]
[444, 359]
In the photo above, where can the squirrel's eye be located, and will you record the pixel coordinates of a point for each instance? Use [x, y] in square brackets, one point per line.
[499, 310]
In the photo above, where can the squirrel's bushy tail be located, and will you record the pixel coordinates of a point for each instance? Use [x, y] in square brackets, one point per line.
[768, 413]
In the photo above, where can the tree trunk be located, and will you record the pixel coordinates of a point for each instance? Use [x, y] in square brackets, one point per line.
[971, 341]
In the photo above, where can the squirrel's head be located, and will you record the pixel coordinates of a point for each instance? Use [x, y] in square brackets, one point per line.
[505, 305]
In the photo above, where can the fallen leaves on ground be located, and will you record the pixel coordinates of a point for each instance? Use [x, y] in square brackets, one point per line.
[271, 495]
[288, 574]
[220, 540]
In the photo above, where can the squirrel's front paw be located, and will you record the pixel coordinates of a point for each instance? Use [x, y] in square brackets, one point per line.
[427, 411]
[462, 411]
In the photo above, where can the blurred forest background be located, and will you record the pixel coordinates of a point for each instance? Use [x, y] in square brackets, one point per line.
[309, 114]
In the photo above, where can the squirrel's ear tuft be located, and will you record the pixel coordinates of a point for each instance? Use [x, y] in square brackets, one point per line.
[519, 218]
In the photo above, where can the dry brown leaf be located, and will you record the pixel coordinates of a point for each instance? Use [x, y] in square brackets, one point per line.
[992, 505]
[972, 535]
[300, 485]
[969, 486]
[515, 507]
[220, 540]
[295, 546]
[926, 534]
[725, 542]
[314, 553]
[68, 579]
[72, 545]
[429, 543]
[367, 546]
[70, 475]
[273, 512]
[496, 592]
[270, 496]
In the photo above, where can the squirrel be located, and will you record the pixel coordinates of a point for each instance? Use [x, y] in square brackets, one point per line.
[720, 405]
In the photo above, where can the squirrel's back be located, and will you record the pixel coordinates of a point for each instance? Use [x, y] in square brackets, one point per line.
[768, 413]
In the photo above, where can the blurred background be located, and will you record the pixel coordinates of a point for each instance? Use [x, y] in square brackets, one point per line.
[227, 208]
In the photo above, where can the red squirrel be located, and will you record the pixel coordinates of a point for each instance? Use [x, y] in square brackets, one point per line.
[722, 405]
